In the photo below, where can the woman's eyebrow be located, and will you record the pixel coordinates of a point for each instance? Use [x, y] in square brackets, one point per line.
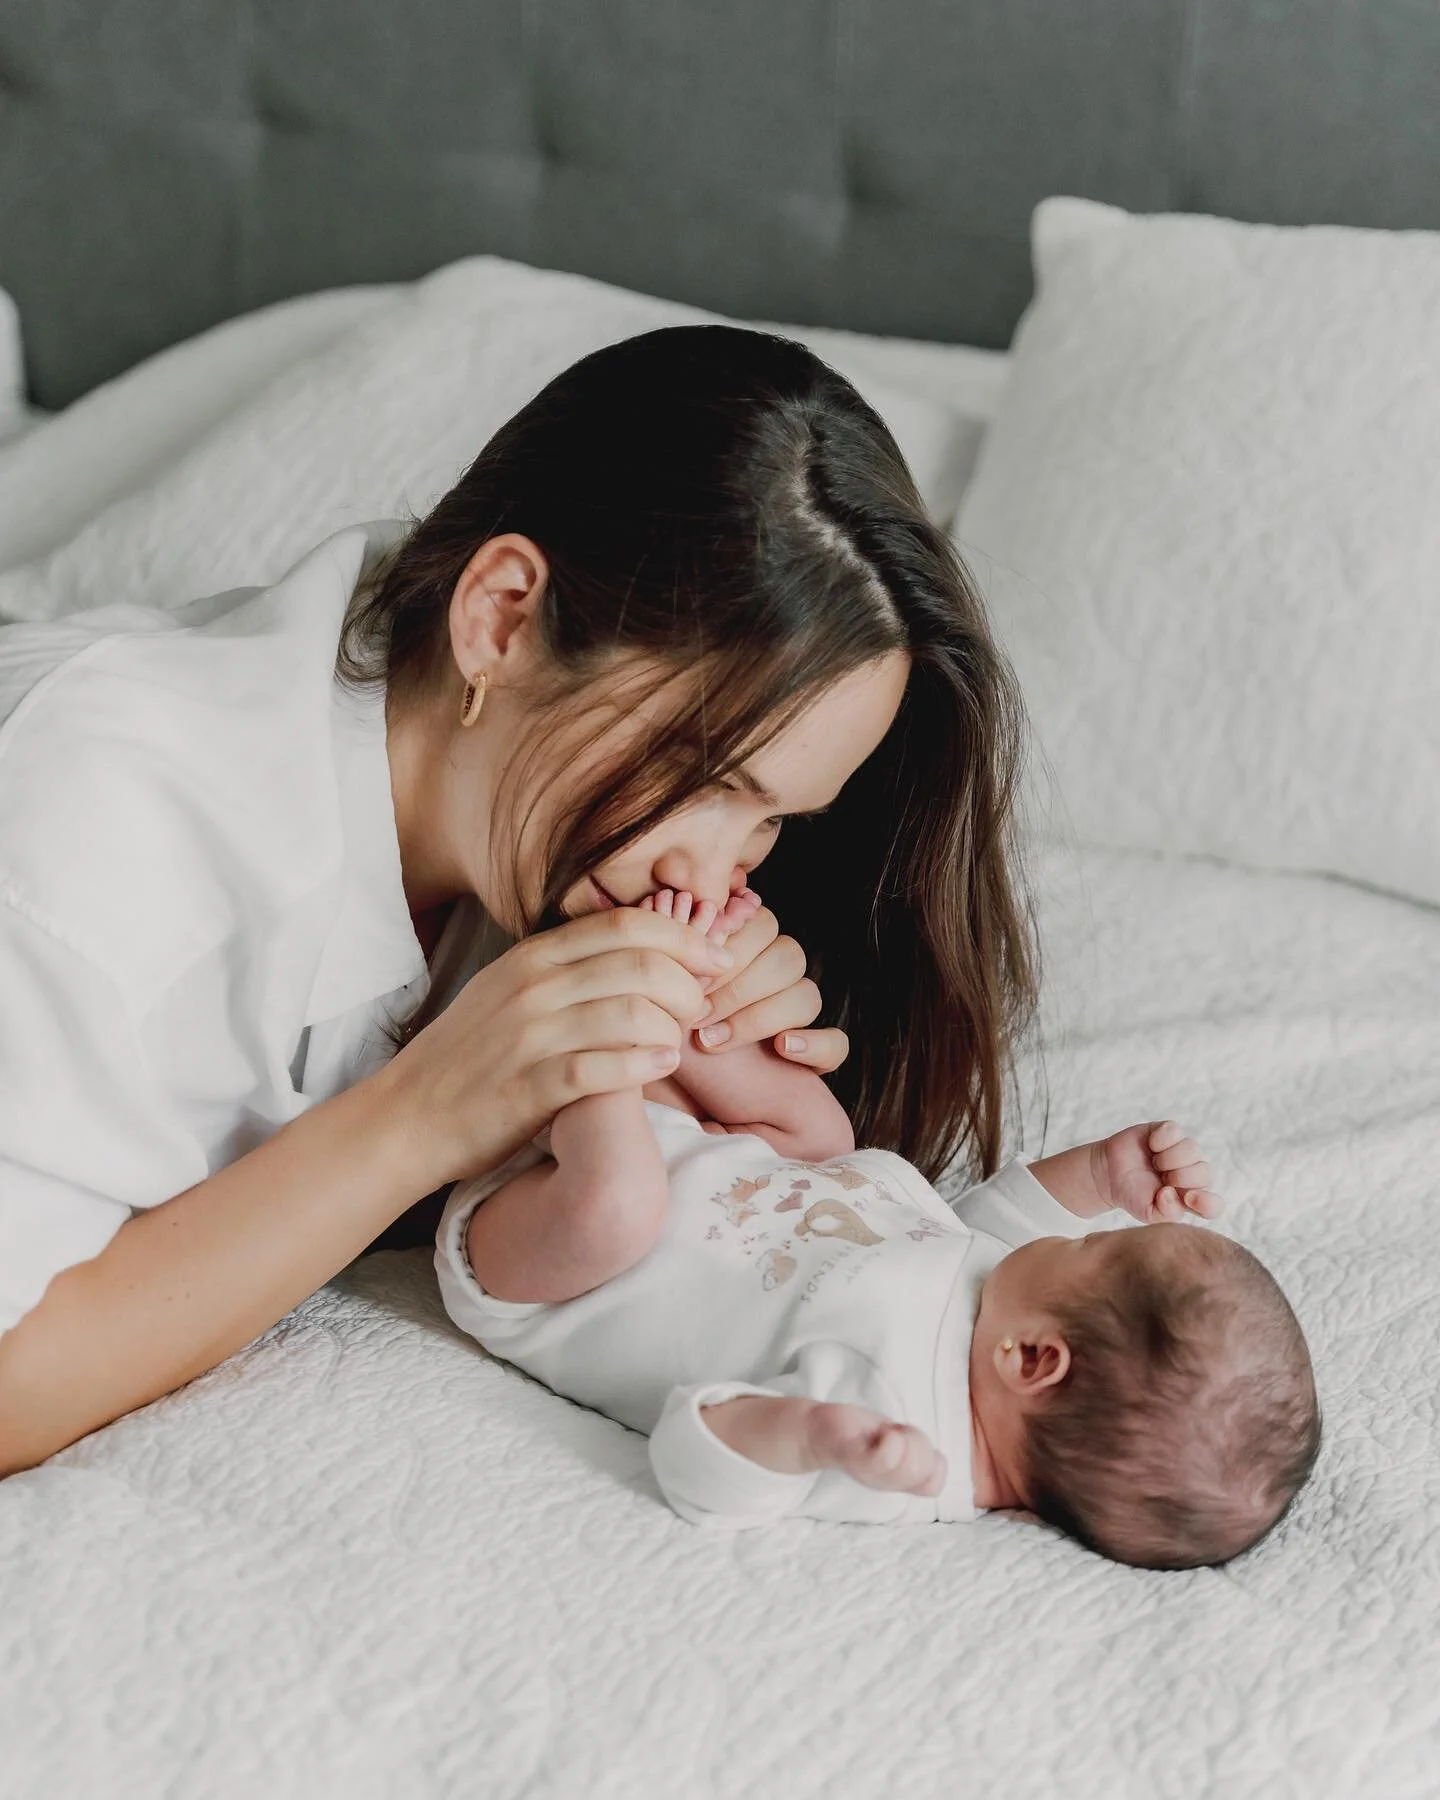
[758, 789]
[771, 802]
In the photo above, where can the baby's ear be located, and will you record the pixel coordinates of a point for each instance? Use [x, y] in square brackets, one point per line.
[1028, 1363]
[1052, 1361]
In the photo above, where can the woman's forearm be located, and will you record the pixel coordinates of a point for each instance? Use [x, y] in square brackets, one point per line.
[185, 1284]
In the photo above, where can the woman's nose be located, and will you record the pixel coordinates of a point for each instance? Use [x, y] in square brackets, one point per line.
[709, 877]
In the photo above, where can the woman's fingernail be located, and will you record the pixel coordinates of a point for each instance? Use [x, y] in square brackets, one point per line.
[711, 1035]
[795, 1045]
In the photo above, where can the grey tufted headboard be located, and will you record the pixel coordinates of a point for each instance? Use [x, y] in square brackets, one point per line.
[872, 163]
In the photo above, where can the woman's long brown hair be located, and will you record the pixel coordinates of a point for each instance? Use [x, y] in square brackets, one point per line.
[726, 506]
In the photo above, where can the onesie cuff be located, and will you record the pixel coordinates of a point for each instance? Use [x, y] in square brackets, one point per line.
[477, 1313]
[707, 1482]
[1014, 1207]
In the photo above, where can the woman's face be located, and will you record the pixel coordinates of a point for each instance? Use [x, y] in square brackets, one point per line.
[478, 810]
[710, 845]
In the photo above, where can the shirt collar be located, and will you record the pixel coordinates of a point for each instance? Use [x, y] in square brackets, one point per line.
[371, 948]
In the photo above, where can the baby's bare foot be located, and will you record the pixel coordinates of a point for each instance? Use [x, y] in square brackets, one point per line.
[738, 910]
[716, 923]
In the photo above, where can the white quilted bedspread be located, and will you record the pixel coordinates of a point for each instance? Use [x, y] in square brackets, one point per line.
[361, 1559]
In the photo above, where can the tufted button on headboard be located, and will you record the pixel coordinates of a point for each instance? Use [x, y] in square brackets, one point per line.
[165, 164]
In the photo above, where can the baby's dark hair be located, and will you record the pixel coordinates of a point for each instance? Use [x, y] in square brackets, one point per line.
[1188, 1420]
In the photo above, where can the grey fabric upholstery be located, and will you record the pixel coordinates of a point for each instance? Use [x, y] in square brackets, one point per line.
[167, 163]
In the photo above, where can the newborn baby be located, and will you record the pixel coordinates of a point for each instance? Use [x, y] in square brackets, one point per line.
[809, 1329]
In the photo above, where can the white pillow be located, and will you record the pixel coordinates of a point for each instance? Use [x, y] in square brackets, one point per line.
[384, 420]
[1208, 518]
[70, 466]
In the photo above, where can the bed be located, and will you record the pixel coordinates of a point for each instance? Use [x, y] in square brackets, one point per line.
[361, 1558]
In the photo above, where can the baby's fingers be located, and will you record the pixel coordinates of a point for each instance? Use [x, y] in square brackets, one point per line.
[1166, 1207]
[1184, 1163]
[1171, 1148]
[1203, 1203]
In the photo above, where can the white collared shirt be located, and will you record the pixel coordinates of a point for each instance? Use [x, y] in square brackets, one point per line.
[203, 926]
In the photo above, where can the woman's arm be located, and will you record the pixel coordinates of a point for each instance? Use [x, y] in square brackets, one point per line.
[596, 1005]
[184, 1285]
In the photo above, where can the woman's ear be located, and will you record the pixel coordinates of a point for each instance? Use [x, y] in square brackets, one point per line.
[493, 606]
[1031, 1361]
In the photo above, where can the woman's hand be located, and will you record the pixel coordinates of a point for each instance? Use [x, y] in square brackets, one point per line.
[596, 1005]
[769, 996]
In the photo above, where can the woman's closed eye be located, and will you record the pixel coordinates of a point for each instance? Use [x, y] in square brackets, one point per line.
[775, 820]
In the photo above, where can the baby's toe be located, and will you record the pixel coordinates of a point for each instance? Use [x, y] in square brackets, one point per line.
[740, 907]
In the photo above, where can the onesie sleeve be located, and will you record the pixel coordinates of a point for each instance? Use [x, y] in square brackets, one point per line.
[1013, 1207]
[86, 1134]
[708, 1483]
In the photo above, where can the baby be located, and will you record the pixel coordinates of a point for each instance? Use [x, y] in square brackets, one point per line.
[809, 1329]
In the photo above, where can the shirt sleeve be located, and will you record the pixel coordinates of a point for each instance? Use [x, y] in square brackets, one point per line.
[85, 1135]
[1013, 1207]
[708, 1483]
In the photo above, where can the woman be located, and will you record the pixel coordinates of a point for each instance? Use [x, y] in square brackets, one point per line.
[687, 593]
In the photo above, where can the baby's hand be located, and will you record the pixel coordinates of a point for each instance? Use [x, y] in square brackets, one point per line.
[875, 1451]
[797, 1436]
[1155, 1173]
[715, 922]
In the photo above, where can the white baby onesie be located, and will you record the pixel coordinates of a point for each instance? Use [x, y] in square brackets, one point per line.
[849, 1280]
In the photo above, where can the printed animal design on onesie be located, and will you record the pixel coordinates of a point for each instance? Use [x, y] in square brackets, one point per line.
[927, 1228]
[776, 1268]
[794, 1200]
[834, 1219]
[739, 1203]
[843, 1174]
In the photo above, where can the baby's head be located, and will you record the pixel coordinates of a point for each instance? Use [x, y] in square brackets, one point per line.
[1149, 1391]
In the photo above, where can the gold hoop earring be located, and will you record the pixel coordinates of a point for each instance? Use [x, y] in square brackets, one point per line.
[474, 699]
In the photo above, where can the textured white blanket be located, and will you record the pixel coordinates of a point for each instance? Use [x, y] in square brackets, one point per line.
[363, 1560]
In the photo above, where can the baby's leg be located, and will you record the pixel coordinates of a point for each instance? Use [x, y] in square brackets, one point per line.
[570, 1225]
